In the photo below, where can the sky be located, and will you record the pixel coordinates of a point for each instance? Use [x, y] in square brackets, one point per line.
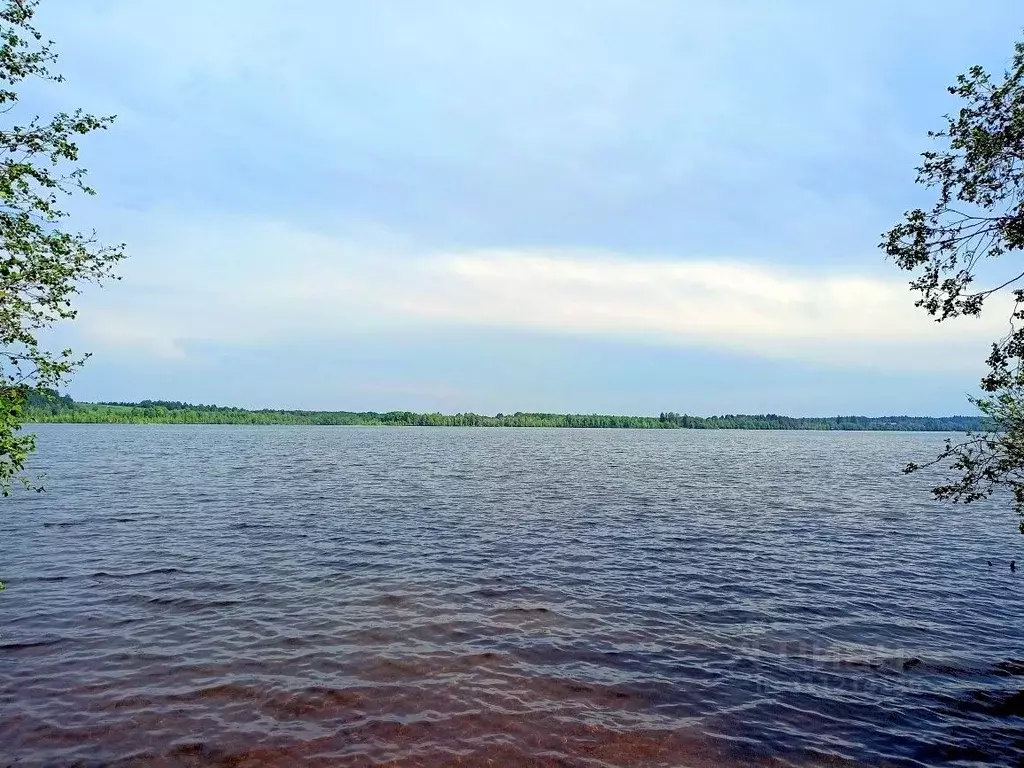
[617, 206]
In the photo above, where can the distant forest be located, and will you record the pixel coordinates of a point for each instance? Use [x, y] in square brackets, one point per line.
[43, 406]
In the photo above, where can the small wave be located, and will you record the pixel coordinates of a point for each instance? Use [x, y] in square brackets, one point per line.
[527, 609]
[135, 574]
[492, 593]
[191, 603]
[22, 646]
[994, 703]
[1009, 668]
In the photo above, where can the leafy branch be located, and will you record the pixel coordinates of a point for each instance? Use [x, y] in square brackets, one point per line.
[43, 266]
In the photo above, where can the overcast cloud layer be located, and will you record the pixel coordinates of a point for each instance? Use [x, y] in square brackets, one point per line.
[643, 205]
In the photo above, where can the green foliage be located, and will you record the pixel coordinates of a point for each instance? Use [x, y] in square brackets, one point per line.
[53, 408]
[42, 265]
[978, 215]
[14, 446]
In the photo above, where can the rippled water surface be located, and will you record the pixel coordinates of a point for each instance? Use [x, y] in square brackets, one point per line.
[302, 595]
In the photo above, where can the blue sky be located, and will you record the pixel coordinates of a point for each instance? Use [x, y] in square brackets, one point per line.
[611, 205]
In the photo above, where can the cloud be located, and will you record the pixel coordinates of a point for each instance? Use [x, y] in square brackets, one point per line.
[255, 283]
[685, 174]
[649, 125]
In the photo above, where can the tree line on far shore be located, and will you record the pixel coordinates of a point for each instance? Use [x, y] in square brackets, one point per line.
[48, 406]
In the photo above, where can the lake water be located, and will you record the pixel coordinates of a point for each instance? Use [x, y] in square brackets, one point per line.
[303, 595]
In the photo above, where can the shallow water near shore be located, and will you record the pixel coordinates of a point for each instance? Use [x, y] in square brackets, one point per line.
[304, 595]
